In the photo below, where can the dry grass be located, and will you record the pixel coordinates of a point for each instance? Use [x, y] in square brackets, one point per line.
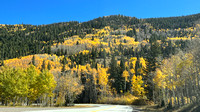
[123, 100]
[155, 108]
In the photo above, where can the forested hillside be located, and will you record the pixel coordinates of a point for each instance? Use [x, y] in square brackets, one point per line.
[111, 59]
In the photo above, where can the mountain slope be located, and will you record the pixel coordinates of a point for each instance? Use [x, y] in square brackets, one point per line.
[21, 40]
[174, 22]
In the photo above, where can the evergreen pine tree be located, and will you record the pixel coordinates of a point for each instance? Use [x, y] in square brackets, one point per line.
[104, 62]
[66, 53]
[94, 53]
[49, 66]
[92, 37]
[58, 52]
[49, 49]
[122, 64]
[81, 61]
[136, 38]
[33, 60]
[115, 75]
[64, 63]
[104, 58]
[77, 43]
[2, 62]
[43, 65]
[92, 64]
[61, 51]
[63, 68]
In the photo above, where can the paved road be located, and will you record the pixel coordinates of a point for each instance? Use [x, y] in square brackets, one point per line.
[96, 108]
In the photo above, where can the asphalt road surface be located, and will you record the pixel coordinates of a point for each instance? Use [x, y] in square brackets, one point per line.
[94, 108]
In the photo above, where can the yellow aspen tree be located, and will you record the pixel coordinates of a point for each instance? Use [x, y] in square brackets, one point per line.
[13, 84]
[125, 75]
[32, 74]
[103, 80]
[137, 85]
[143, 64]
[132, 62]
[159, 79]
[46, 84]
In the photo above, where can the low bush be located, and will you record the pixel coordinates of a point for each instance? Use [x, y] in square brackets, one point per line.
[123, 100]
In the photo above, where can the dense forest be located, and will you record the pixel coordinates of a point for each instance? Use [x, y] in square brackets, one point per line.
[111, 59]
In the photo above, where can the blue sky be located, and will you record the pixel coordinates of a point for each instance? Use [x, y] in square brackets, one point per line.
[51, 11]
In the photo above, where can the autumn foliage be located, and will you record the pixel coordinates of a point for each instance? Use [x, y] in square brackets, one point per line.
[114, 59]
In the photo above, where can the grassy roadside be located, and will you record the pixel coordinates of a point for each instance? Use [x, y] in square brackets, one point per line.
[148, 108]
[33, 106]
[37, 108]
[154, 108]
